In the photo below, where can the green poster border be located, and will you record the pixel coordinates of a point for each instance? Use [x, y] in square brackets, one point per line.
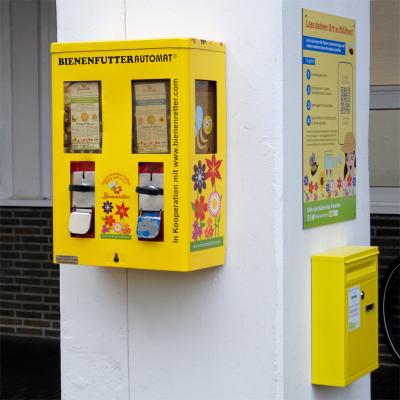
[346, 211]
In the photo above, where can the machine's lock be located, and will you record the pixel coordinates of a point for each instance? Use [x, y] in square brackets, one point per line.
[82, 203]
[151, 202]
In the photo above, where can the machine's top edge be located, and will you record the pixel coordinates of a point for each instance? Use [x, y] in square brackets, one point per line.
[185, 43]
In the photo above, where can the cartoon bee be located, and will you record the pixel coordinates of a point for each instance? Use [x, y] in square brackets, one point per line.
[313, 164]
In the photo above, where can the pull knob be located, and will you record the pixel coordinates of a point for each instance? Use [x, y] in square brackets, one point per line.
[150, 190]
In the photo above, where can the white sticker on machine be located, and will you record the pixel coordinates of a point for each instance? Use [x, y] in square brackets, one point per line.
[353, 309]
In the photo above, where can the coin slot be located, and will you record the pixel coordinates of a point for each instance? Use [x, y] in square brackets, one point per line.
[82, 189]
[150, 225]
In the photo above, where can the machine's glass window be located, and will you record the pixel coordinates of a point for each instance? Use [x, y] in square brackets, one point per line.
[206, 117]
[82, 117]
[151, 116]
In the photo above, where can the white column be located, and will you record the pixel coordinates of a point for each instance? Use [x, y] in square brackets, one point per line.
[211, 334]
[241, 331]
[94, 345]
[300, 244]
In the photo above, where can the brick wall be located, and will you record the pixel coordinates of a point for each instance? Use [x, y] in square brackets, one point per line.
[29, 281]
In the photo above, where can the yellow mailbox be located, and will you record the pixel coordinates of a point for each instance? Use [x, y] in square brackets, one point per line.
[139, 165]
[344, 314]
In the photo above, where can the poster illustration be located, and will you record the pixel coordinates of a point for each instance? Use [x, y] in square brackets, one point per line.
[329, 119]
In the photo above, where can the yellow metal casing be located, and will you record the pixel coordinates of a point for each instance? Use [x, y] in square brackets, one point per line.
[344, 314]
[194, 184]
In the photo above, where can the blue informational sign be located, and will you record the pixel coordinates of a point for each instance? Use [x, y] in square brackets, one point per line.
[324, 45]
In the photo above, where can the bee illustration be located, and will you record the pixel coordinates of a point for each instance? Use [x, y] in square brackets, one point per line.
[313, 164]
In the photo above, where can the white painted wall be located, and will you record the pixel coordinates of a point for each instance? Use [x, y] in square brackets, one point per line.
[236, 332]
[299, 244]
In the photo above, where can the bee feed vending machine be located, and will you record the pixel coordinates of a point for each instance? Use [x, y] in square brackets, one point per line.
[139, 166]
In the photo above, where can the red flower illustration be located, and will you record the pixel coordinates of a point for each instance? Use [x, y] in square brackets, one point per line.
[209, 231]
[122, 211]
[212, 171]
[348, 180]
[126, 229]
[109, 220]
[310, 187]
[200, 208]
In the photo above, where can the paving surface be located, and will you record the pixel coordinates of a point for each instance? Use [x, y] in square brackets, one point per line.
[29, 369]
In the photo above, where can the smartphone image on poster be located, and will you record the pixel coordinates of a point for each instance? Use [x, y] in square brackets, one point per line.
[345, 96]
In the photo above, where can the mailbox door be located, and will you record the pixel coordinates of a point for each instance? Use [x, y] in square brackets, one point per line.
[362, 330]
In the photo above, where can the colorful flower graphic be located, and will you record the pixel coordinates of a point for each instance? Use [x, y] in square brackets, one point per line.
[310, 187]
[349, 180]
[200, 208]
[126, 229]
[305, 180]
[316, 187]
[199, 176]
[214, 204]
[107, 207]
[118, 227]
[206, 203]
[105, 229]
[122, 211]
[197, 231]
[209, 231]
[212, 171]
[328, 188]
[109, 220]
[339, 183]
[315, 197]
[354, 181]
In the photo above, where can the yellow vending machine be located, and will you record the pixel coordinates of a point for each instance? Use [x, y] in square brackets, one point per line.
[139, 166]
[344, 314]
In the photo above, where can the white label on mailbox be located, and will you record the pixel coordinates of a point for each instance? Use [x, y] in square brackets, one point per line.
[353, 310]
